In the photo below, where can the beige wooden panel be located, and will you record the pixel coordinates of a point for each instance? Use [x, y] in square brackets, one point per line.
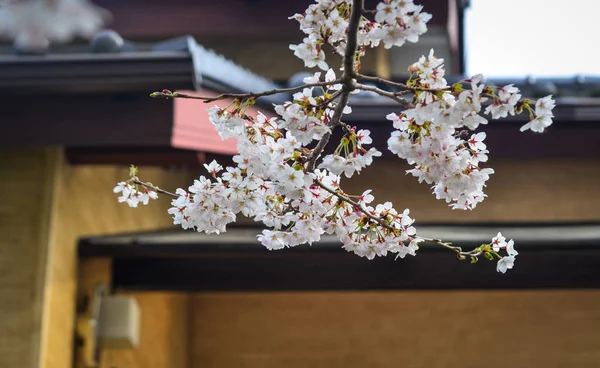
[26, 190]
[520, 190]
[545, 329]
[87, 206]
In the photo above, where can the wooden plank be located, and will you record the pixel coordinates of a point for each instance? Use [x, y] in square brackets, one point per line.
[550, 329]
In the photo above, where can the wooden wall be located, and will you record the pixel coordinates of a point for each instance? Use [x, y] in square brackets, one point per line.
[45, 206]
[27, 186]
[539, 329]
[520, 191]
[86, 205]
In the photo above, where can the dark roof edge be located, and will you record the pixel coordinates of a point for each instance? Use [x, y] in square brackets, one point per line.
[83, 73]
[175, 64]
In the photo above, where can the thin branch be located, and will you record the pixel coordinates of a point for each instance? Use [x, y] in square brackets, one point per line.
[330, 99]
[153, 187]
[357, 205]
[458, 250]
[335, 120]
[370, 78]
[392, 95]
[347, 81]
[168, 94]
[351, 43]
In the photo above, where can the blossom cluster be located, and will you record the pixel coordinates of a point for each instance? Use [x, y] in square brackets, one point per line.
[131, 194]
[431, 135]
[507, 262]
[271, 183]
[396, 21]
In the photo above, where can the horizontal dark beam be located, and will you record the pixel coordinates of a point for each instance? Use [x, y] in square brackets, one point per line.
[289, 270]
[87, 120]
[550, 256]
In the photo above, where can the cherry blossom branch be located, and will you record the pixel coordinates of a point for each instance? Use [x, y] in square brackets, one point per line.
[458, 250]
[251, 95]
[370, 78]
[347, 81]
[393, 95]
[326, 102]
[335, 120]
[351, 44]
[357, 205]
[150, 186]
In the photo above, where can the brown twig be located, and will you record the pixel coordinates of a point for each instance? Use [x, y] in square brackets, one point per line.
[357, 205]
[394, 96]
[458, 250]
[330, 99]
[153, 187]
[335, 120]
[370, 78]
[168, 94]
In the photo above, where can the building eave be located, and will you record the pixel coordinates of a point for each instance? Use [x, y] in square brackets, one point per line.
[96, 73]
[550, 256]
[102, 101]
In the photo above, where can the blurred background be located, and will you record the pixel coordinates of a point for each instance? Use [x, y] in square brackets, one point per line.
[86, 281]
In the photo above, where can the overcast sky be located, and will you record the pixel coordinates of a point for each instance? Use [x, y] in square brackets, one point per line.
[512, 38]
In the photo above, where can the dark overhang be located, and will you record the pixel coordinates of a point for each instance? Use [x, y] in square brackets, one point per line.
[100, 101]
[550, 256]
[85, 100]
[177, 64]
[95, 73]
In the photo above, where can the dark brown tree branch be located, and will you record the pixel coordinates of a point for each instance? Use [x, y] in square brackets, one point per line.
[393, 95]
[153, 187]
[347, 81]
[381, 222]
[251, 95]
[362, 77]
